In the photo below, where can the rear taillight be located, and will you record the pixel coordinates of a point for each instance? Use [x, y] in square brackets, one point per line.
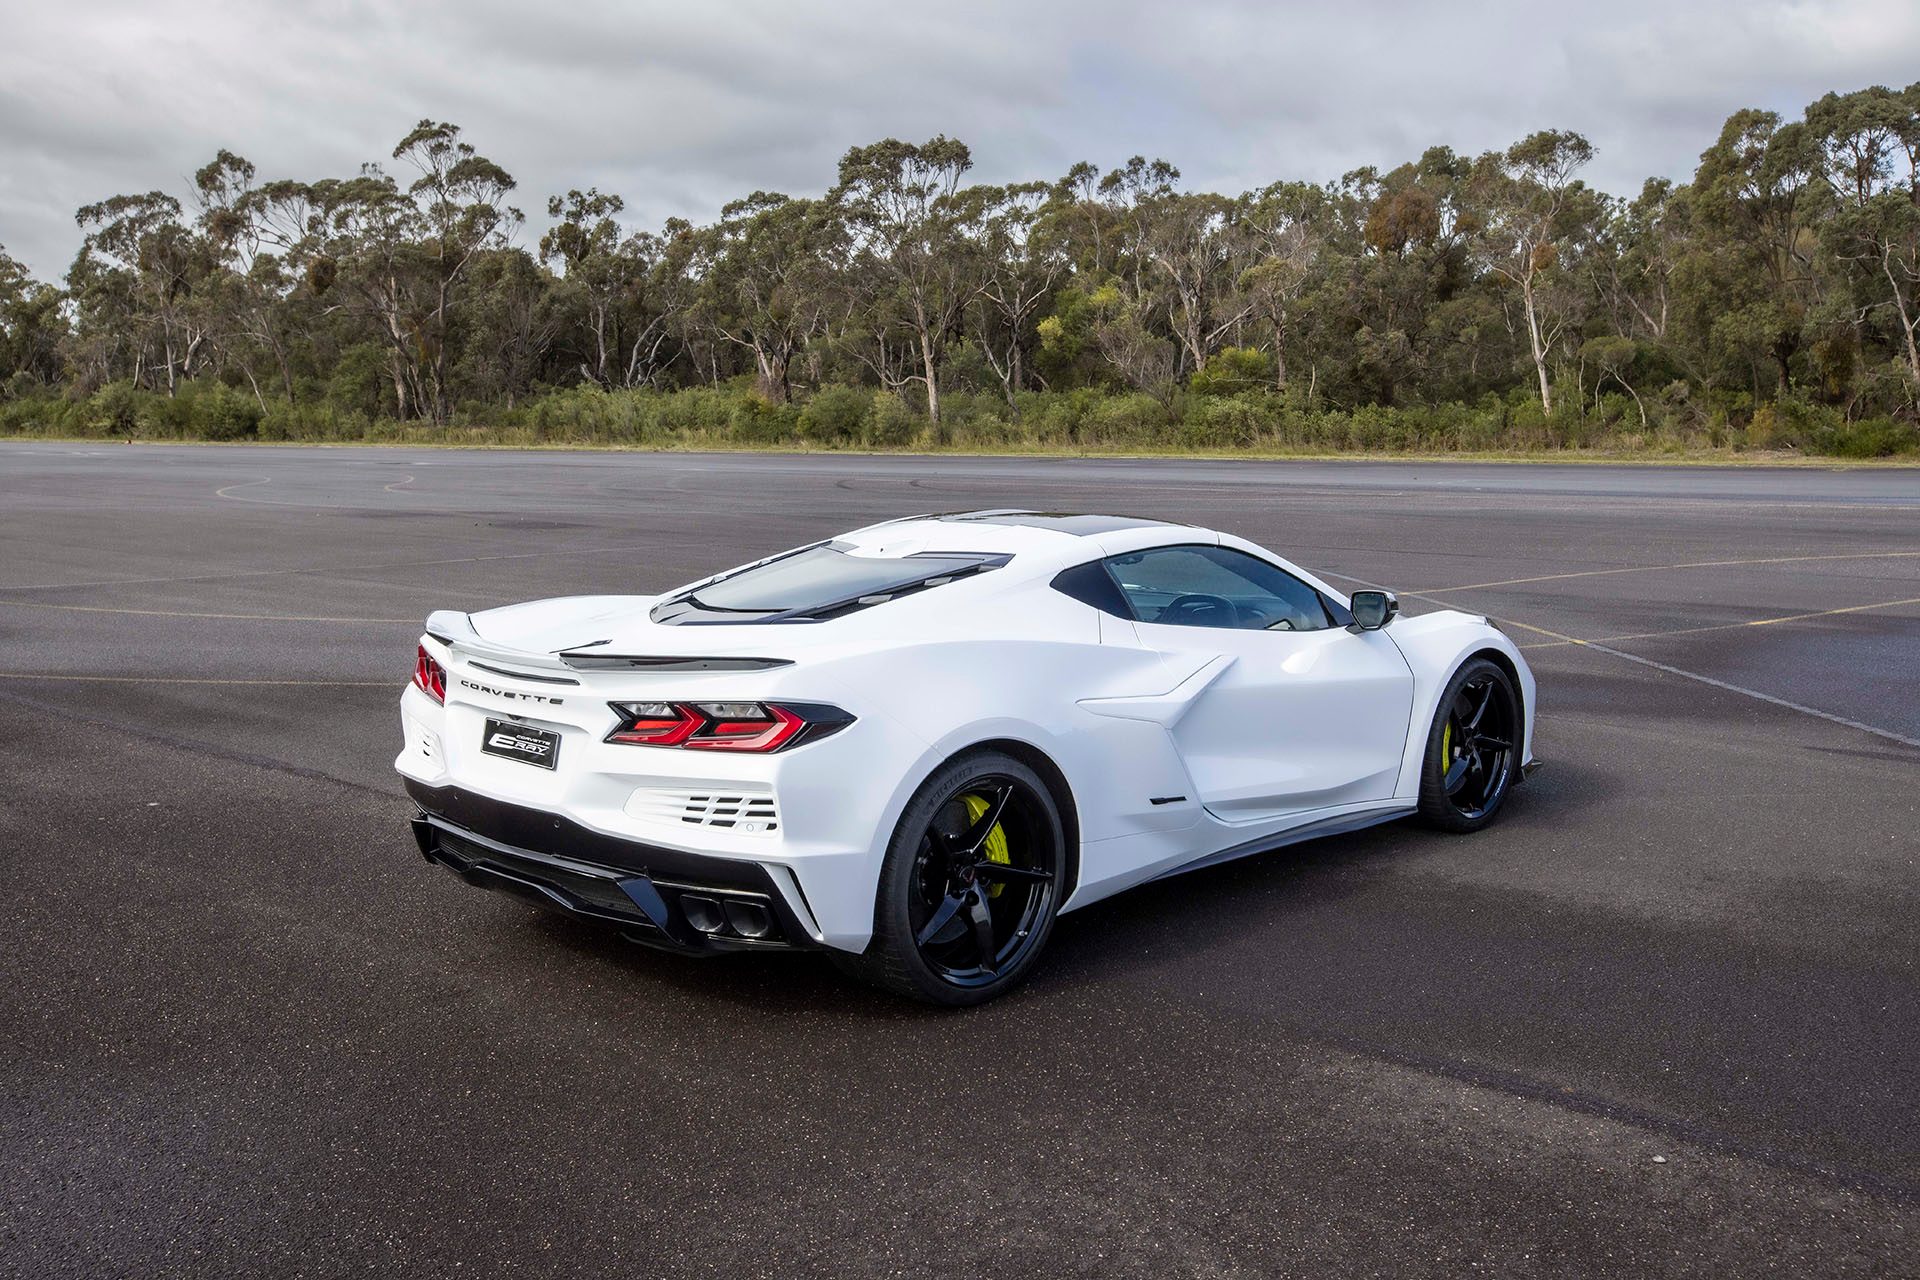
[753, 727]
[429, 675]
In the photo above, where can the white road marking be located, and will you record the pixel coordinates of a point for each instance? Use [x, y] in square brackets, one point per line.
[1684, 674]
[1729, 626]
[1657, 568]
[224, 492]
[177, 613]
[338, 684]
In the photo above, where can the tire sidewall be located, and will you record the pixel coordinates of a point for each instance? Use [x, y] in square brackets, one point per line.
[1435, 806]
[893, 928]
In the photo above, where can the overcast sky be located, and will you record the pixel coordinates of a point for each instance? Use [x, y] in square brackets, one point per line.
[679, 107]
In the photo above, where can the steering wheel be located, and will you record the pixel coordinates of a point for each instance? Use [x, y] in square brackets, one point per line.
[1196, 608]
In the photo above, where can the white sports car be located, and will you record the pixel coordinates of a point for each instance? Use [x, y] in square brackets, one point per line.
[916, 744]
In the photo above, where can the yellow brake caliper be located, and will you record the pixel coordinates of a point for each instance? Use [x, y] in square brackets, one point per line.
[1446, 747]
[996, 846]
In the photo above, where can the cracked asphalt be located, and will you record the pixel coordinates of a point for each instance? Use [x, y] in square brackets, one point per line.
[1662, 1019]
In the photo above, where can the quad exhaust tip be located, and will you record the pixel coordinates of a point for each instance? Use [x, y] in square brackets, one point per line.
[720, 917]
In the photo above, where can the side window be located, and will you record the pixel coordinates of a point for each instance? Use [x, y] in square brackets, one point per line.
[1201, 586]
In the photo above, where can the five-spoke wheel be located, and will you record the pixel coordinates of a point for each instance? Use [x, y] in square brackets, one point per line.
[1471, 748]
[971, 883]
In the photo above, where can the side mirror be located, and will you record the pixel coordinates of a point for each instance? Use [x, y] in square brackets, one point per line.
[1372, 610]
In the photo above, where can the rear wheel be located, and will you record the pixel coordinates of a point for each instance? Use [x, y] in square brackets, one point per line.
[970, 885]
[1472, 748]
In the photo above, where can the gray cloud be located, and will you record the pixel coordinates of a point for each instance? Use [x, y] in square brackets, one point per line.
[681, 107]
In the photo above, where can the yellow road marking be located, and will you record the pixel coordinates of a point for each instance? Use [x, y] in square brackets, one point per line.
[1725, 626]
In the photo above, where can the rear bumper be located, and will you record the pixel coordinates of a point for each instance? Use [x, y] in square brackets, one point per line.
[692, 903]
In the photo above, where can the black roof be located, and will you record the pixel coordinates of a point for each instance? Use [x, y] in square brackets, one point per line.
[1062, 521]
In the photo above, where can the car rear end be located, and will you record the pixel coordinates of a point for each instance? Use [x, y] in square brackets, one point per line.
[701, 802]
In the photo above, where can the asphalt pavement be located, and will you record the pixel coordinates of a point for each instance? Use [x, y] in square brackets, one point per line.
[1663, 1018]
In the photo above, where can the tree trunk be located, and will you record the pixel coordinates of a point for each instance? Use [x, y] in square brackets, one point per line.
[1907, 322]
[773, 374]
[933, 380]
[400, 406]
[1534, 343]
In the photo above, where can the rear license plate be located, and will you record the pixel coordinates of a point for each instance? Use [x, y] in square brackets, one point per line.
[522, 743]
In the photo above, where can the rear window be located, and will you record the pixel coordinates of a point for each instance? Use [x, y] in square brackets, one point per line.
[818, 582]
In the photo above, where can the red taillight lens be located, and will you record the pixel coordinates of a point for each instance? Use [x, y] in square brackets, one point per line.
[654, 724]
[764, 728]
[429, 675]
[752, 727]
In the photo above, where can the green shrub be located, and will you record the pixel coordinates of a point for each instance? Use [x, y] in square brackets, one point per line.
[1232, 371]
[1089, 418]
[834, 415]
[116, 408]
[889, 423]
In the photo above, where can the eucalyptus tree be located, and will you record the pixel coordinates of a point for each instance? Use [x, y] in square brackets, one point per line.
[459, 210]
[1751, 276]
[1126, 196]
[402, 255]
[1532, 211]
[1196, 248]
[509, 323]
[1023, 259]
[32, 326]
[908, 217]
[763, 280]
[585, 242]
[1865, 149]
[255, 291]
[136, 283]
[362, 256]
[1286, 227]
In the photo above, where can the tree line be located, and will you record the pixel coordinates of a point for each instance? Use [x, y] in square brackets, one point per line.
[1782, 283]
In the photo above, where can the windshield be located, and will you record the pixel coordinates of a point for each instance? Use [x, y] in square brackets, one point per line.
[819, 578]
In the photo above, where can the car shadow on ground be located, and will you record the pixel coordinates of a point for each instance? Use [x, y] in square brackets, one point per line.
[1167, 923]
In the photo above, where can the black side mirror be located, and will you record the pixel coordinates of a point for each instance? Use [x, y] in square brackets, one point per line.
[1372, 610]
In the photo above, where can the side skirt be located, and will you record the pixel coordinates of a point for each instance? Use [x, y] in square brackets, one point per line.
[1333, 826]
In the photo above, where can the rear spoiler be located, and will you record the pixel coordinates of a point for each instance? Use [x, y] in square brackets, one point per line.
[456, 630]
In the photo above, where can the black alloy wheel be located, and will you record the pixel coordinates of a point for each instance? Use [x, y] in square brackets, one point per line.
[971, 884]
[1472, 749]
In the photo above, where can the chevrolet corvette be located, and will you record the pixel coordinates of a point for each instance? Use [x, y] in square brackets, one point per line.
[914, 745]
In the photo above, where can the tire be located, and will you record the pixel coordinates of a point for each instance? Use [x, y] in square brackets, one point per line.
[1474, 744]
[935, 891]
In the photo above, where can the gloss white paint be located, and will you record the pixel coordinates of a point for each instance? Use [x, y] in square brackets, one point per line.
[1245, 738]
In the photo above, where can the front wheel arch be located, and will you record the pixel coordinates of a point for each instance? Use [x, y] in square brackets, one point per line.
[1521, 710]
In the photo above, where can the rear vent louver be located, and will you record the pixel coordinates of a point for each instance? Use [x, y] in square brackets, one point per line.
[754, 814]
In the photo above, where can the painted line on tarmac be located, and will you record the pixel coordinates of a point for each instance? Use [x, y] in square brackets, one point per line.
[1728, 626]
[1600, 647]
[223, 617]
[1658, 568]
[332, 569]
[224, 491]
[329, 684]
